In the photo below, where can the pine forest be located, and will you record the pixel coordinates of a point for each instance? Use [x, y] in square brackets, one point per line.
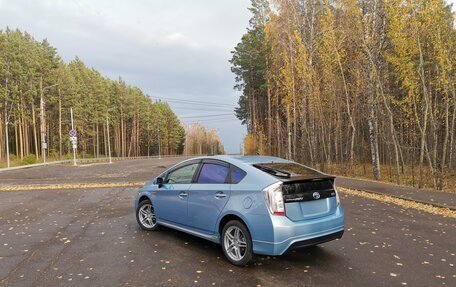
[38, 91]
[353, 87]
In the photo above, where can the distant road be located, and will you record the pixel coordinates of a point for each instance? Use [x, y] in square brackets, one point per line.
[89, 237]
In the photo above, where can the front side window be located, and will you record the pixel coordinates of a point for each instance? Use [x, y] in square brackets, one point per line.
[182, 175]
[213, 173]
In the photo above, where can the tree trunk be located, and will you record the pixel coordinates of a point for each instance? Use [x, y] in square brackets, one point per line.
[21, 139]
[105, 141]
[269, 119]
[98, 141]
[373, 126]
[393, 133]
[35, 137]
[122, 129]
[2, 149]
[251, 124]
[293, 93]
[279, 151]
[16, 140]
[445, 141]
[60, 125]
[423, 130]
[289, 143]
[452, 130]
[350, 117]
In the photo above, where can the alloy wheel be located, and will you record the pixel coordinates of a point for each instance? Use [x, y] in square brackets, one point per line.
[235, 243]
[146, 215]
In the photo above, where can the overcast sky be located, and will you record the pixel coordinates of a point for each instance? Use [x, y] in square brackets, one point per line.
[171, 49]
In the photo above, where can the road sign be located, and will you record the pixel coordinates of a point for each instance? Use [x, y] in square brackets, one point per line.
[44, 145]
[74, 146]
[72, 133]
[74, 141]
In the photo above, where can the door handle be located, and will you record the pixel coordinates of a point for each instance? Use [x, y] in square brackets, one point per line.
[183, 194]
[220, 195]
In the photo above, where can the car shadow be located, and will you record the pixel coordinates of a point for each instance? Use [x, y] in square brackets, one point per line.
[298, 258]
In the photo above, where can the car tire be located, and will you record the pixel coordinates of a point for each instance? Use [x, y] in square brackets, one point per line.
[145, 216]
[237, 243]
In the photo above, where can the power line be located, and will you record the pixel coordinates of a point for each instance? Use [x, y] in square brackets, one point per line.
[207, 116]
[203, 109]
[193, 102]
[201, 104]
[209, 121]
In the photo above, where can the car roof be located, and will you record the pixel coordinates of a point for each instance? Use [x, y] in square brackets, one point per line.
[252, 159]
[242, 161]
[247, 162]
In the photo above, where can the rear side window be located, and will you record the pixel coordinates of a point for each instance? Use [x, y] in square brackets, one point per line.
[237, 174]
[213, 173]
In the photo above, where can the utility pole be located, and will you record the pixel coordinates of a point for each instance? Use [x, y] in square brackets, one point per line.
[185, 143]
[43, 133]
[289, 133]
[73, 143]
[148, 140]
[159, 145]
[6, 115]
[43, 127]
[6, 138]
[6, 124]
[109, 139]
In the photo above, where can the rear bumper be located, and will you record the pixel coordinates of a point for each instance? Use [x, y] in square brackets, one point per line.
[317, 240]
[291, 234]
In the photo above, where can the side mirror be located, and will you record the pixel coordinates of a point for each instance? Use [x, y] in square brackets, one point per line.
[159, 181]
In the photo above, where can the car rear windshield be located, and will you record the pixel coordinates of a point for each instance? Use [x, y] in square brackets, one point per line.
[287, 169]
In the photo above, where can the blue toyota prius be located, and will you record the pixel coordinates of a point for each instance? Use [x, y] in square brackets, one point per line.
[248, 204]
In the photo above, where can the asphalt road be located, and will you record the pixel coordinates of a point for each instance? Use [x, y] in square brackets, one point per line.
[89, 237]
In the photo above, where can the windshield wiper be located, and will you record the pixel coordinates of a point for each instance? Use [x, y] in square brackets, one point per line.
[273, 171]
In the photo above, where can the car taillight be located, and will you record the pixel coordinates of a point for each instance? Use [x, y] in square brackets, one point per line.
[274, 198]
[337, 194]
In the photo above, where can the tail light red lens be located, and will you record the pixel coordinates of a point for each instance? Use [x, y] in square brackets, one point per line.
[274, 199]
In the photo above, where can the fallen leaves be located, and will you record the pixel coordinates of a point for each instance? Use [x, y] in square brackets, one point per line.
[445, 212]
